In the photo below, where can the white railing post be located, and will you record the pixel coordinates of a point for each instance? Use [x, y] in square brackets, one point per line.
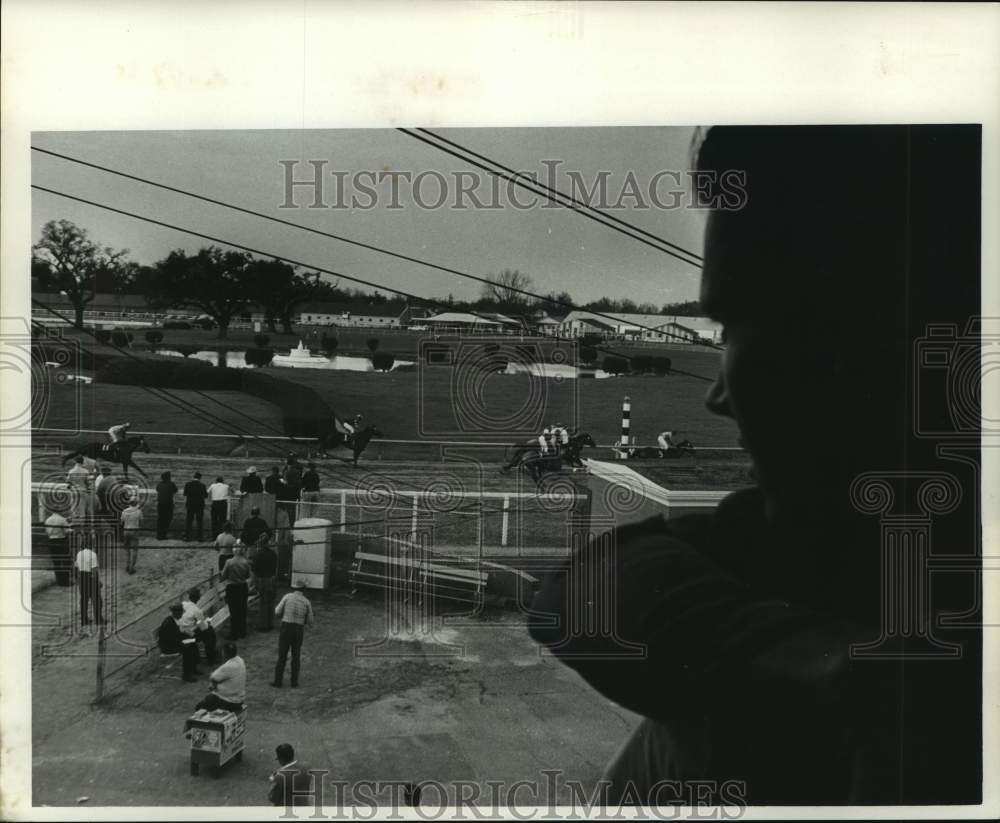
[504, 520]
[343, 511]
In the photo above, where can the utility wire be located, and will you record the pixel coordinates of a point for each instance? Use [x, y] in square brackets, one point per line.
[253, 250]
[341, 238]
[568, 198]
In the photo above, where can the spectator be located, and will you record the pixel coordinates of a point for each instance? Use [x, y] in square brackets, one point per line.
[253, 528]
[265, 570]
[57, 534]
[773, 642]
[165, 491]
[131, 519]
[251, 490]
[194, 496]
[102, 485]
[236, 575]
[218, 494]
[225, 542]
[291, 784]
[227, 684]
[273, 490]
[172, 640]
[310, 491]
[195, 624]
[82, 488]
[296, 612]
[291, 489]
[273, 483]
[89, 581]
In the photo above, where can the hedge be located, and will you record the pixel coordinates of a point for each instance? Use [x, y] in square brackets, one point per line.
[642, 363]
[615, 365]
[383, 360]
[661, 365]
[259, 356]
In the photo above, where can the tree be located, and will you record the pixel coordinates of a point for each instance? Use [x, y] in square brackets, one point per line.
[154, 336]
[689, 308]
[559, 303]
[372, 343]
[383, 361]
[505, 289]
[613, 364]
[279, 289]
[67, 260]
[259, 357]
[211, 280]
[328, 344]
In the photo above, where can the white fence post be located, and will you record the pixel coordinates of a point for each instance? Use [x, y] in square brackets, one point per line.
[504, 520]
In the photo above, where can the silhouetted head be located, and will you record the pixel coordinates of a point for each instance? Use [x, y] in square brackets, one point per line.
[824, 277]
[284, 753]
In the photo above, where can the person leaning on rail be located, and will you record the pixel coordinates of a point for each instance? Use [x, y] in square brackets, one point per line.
[754, 640]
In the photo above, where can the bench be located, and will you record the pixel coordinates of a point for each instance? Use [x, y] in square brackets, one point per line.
[214, 605]
[437, 579]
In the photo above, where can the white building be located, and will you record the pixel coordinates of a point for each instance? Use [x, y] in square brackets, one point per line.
[352, 315]
[658, 328]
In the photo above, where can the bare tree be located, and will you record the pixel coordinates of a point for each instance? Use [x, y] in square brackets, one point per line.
[507, 288]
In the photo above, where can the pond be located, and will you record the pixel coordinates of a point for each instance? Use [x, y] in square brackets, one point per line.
[237, 360]
[558, 370]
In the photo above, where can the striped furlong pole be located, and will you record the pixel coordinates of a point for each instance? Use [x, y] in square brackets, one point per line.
[626, 423]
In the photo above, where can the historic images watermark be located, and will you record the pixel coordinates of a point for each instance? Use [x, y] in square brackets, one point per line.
[316, 184]
[552, 797]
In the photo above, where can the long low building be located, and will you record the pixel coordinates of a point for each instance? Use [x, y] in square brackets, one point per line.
[658, 328]
[352, 315]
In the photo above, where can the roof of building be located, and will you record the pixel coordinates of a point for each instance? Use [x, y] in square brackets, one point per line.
[646, 321]
[461, 317]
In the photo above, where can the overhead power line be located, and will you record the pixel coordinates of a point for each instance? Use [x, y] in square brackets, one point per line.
[341, 238]
[563, 196]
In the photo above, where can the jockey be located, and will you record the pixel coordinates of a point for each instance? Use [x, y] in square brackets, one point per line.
[349, 429]
[117, 434]
[552, 438]
[666, 441]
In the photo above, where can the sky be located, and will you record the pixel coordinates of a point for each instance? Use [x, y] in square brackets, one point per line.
[558, 248]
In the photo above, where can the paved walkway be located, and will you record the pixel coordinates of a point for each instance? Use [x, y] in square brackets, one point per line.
[471, 702]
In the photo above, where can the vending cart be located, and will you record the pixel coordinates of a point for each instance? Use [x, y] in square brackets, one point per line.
[216, 737]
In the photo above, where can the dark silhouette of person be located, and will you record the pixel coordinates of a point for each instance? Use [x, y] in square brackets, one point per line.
[795, 639]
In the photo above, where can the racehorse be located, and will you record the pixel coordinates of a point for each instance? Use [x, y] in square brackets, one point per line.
[356, 443]
[684, 447]
[530, 458]
[120, 452]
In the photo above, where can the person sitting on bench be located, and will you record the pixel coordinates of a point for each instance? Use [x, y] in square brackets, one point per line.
[195, 624]
[227, 684]
[172, 640]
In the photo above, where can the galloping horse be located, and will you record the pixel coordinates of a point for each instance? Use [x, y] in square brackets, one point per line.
[529, 457]
[684, 447]
[120, 452]
[333, 438]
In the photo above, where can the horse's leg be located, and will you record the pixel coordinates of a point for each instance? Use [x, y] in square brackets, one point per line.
[134, 466]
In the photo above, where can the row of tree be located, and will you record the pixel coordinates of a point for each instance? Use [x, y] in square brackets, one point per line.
[222, 283]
